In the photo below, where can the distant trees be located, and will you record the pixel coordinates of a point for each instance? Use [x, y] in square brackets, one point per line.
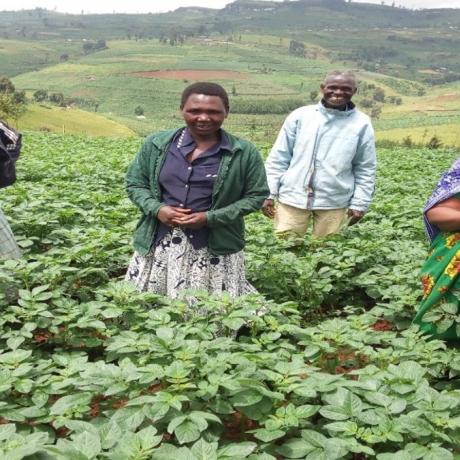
[6, 85]
[40, 95]
[92, 47]
[12, 102]
[379, 95]
[57, 98]
[202, 30]
[395, 100]
[375, 112]
[296, 48]
[174, 37]
[88, 47]
[139, 111]
[373, 94]
[367, 103]
[421, 92]
[19, 97]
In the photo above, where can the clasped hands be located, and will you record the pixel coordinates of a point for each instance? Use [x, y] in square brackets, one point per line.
[175, 216]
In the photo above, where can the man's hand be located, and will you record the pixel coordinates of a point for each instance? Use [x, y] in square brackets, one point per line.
[268, 208]
[171, 215]
[355, 215]
[195, 220]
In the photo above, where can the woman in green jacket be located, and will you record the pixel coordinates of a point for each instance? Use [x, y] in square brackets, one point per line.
[193, 186]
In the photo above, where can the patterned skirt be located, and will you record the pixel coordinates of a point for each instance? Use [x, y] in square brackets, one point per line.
[174, 265]
[439, 312]
[8, 247]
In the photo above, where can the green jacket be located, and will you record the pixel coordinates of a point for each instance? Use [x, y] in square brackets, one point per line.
[240, 188]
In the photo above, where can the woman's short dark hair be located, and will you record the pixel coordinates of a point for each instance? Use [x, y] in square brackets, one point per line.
[207, 88]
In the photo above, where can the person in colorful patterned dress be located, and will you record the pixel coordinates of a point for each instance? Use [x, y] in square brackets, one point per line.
[193, 186]
[438, 314]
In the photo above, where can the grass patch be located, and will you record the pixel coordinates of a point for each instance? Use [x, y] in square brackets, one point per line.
[71, 121]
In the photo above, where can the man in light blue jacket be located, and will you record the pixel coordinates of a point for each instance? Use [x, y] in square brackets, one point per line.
[322, 165]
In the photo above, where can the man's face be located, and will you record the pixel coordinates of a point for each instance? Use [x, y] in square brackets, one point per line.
[338, 90]
[204, 114]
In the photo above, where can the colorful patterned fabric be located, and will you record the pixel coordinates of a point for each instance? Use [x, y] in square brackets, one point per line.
[438, 314]
[8, 247]
[448, 186]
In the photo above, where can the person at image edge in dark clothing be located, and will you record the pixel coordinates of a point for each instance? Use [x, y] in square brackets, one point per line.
[10, 146]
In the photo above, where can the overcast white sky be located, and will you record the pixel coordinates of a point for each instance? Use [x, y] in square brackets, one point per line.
[155, 6]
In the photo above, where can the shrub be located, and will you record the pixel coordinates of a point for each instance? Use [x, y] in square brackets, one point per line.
[434, 143]
[379, 95]
[40, 95]
[139, 111]
[407, 141]
[57, 98]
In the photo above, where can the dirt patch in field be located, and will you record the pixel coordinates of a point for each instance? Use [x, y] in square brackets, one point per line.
[198, 75]
[448, 97]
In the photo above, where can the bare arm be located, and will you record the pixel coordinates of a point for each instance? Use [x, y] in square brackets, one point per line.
[445, 215]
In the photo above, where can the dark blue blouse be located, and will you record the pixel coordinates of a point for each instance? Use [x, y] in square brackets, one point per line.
[189, 185]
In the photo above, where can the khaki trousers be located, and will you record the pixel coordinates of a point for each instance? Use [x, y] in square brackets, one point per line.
[290, 221]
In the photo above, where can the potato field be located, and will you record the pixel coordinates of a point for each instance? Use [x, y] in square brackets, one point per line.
[329, 366]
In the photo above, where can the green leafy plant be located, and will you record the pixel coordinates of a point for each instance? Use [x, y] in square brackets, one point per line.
[328, 367]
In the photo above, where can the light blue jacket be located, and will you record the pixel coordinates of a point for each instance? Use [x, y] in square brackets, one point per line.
[323, 159]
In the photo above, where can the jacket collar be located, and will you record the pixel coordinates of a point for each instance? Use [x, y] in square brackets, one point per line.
[163, 139]
[339, 113]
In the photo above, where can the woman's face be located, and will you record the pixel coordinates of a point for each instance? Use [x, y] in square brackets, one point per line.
[204, 114]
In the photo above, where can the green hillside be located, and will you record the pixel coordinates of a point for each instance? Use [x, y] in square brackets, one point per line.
[126, 75]
[264, 82]
[270, 56]
[396, 40]
[70, 121]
